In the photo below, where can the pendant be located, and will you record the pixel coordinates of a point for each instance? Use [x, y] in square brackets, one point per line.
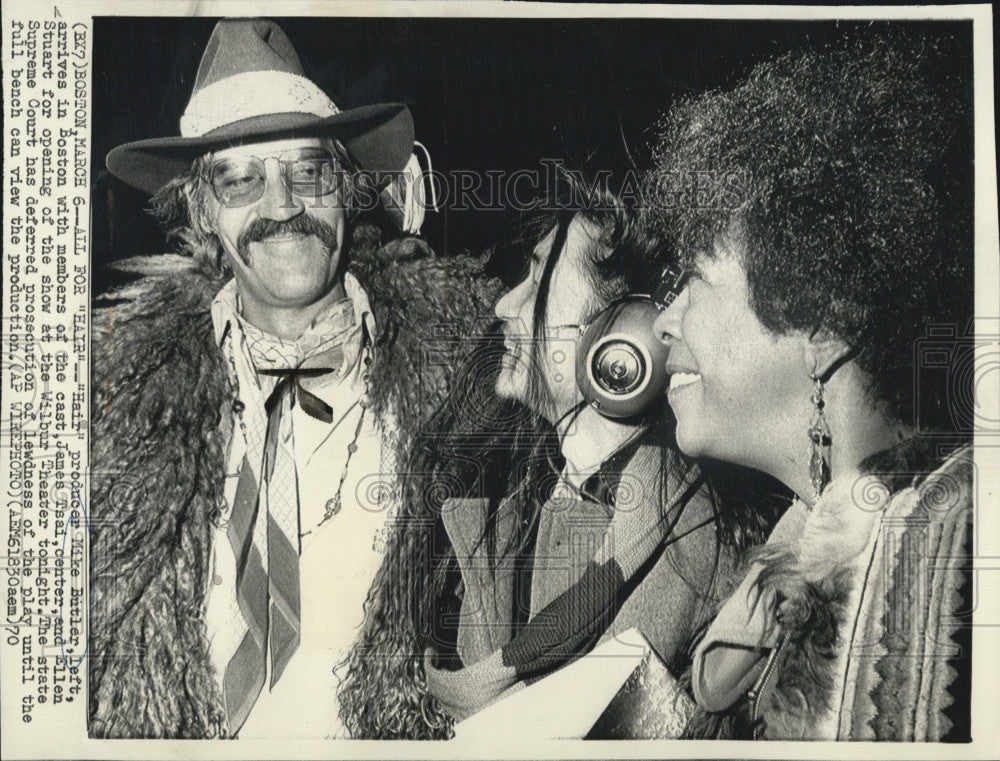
[332, 507]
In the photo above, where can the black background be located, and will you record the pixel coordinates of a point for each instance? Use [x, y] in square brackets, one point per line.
[486, 94]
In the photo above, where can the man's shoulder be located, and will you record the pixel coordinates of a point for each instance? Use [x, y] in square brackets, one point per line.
[155, 282]
[428, 312]
[162, 315]
[408, 283]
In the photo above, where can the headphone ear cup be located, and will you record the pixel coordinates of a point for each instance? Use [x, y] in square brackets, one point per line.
[621, 365]
[617, 365]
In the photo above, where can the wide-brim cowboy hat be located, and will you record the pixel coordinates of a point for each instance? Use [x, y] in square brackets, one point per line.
[250, 87]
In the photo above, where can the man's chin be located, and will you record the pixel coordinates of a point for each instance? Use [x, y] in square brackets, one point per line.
[298, 292]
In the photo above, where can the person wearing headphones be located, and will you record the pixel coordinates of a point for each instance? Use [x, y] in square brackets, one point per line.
[554, 511]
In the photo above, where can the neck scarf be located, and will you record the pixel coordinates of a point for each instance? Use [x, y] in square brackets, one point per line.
[322, 341]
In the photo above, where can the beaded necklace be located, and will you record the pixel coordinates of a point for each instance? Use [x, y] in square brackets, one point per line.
[334, 504]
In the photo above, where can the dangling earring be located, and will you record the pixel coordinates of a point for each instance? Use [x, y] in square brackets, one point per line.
[819, 436]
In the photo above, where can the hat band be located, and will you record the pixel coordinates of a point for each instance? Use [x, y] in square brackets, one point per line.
[249, 94]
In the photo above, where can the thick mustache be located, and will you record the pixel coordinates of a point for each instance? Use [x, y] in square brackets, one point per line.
[261, 229]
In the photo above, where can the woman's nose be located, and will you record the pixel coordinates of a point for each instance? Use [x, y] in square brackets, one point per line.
[509, 306]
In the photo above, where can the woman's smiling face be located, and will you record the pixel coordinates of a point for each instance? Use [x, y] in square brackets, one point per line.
[734, 383]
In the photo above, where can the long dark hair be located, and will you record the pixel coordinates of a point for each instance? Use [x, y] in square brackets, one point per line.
[480, 446]
[475, 446]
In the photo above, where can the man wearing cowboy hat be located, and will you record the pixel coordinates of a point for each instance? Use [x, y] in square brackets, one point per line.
[252, 399]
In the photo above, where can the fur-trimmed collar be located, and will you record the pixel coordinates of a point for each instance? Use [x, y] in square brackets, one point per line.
[828, 581]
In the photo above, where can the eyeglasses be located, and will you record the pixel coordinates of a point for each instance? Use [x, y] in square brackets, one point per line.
[672, 283]
[240, 180]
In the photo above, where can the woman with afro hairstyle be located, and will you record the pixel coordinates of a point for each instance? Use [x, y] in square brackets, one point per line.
[838, 246]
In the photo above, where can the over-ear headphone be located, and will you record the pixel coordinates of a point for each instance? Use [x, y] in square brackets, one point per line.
[621, 364]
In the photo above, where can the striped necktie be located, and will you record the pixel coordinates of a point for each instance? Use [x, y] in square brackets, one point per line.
[268, 599]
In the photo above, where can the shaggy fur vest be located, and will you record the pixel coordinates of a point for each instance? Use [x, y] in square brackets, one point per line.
[161, 412]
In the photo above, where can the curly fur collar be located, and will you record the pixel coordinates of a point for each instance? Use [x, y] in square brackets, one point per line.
[839, 583]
